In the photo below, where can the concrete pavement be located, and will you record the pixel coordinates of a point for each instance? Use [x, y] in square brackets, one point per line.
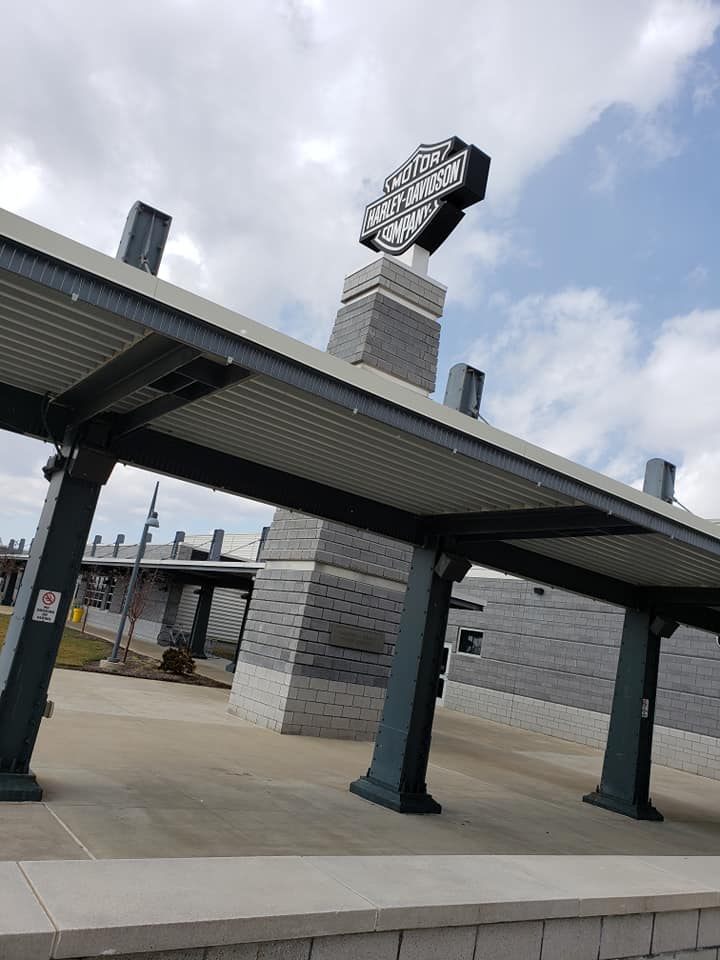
[137, 768]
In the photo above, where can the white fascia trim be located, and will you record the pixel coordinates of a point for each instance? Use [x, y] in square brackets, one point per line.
[391, 376]
[391, 295]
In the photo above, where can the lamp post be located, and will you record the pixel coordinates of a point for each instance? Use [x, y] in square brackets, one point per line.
[152, 521]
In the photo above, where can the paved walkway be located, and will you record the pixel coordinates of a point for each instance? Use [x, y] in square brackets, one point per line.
[137, 768]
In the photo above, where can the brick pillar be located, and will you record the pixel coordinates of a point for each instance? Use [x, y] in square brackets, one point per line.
[320, 633]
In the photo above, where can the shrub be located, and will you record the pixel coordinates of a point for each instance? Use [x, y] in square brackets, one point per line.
[177, 661]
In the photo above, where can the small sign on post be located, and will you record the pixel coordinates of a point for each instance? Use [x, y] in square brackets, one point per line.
[46, 606]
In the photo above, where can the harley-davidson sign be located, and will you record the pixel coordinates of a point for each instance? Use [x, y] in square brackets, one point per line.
[423, 200]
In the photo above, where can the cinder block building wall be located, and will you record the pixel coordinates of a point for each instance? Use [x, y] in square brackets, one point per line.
[325, 588]
[547, 662]
[160, 607]
[169, 605]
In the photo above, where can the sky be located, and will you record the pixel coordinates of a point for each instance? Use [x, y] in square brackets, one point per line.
[585, 285]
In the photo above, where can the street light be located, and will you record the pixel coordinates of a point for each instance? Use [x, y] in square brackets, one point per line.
[152, 521]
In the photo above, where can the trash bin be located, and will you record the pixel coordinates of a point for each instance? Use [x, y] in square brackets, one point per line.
[77, 614]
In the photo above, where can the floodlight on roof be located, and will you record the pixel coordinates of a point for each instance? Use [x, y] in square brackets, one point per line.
[143, 240]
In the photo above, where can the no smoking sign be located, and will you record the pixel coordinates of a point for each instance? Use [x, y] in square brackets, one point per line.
[46, 606]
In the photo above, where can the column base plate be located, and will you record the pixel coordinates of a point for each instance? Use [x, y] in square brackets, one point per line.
[638, 811]
[396, 800]
[19, 787]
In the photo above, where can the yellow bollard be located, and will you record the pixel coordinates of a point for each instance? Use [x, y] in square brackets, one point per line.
[77, 614]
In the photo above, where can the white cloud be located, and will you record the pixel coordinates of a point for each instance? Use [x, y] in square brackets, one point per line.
[265, 128]
[21, 179]
[578, 374]
[123, 503]
[698, 276]
[606, 178]
[474, 254]
[653, 137]
[322, 150]
[184, 246]
[707, 84]
[184, 263]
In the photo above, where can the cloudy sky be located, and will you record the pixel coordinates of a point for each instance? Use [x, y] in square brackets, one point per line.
[585, 285]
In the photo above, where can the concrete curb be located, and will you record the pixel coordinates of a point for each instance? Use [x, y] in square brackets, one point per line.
[71, 908]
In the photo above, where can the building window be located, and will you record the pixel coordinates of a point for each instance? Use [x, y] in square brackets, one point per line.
[470, 641]
[100, 591]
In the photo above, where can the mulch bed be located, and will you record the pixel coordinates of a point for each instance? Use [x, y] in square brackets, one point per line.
[145, 668]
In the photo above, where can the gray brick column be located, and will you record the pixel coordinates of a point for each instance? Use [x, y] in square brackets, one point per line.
[321, 630]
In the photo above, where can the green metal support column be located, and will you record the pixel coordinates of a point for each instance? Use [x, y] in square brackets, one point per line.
[6, 598]
[198, 635]
[46, 591]
[396, 778]
[625, 783]
[232, 667]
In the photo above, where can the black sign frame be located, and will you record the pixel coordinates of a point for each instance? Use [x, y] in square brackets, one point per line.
[425, 197]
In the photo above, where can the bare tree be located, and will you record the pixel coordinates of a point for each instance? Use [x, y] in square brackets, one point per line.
[143, 590]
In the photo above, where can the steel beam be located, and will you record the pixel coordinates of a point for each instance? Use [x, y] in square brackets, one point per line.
[134, 368]
[202, 370]
[43, 273]
[684, 596]
[702, 618]
[175, 457]
[396, 778]
[542, 523]
[153, 409]
[22, 412]
[28, 654]
[231, 667]
[198, 634]
[185, 394]
[555, 573]
[625, 784]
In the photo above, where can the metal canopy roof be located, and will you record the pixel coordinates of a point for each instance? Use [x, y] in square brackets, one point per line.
[171, 382]
[228, 575]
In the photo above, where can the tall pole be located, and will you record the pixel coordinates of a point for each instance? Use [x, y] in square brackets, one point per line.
[151, 521]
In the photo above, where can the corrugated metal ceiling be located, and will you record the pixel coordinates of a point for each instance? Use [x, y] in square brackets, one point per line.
[282, 427]
[48, 343]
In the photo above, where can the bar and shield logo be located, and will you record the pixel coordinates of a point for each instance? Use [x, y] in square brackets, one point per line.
[423, 200]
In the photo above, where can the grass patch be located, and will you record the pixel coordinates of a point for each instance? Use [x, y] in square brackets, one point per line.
[76, 649]
[79, 651]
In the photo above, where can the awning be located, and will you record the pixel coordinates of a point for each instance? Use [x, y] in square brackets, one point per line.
[171, 382]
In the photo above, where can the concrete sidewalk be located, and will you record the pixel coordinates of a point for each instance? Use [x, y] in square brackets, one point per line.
[137, 768]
